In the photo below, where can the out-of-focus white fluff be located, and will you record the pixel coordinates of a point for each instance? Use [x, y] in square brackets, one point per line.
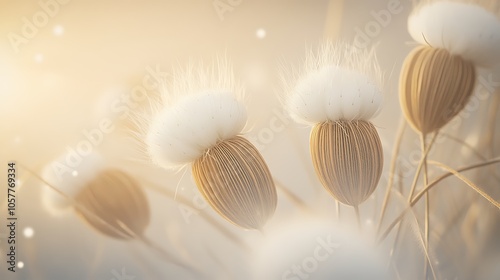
[318, 249]
[69, 176]
[463, 29]
[199, 108]
[339, 82]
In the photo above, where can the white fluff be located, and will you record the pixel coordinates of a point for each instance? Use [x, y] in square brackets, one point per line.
[199, 109]
[69, 175]
[339, 83]
[318, 250]
[463, 29]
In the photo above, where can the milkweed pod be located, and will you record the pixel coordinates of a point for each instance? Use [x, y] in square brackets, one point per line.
[115, 205]
[435, 86]
[234, 179]
[348, 159]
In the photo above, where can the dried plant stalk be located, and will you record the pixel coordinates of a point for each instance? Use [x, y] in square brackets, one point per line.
[435, 86]
[348, 159]
[118, 200]
[235, 180]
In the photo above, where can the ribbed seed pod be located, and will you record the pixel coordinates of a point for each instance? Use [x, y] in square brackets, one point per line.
[117, 200]
[435, 86]
[202, 113]
[236, 182]
[348, 159]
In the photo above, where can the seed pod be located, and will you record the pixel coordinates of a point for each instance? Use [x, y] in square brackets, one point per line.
[200, 122]
[466, 28]
[435, 86]
[118, 200]
[338, 94]
[235, 180]
[109, 200]
[348, 159]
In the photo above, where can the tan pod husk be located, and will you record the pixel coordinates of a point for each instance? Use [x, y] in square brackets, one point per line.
[118, 200]
[348, 159]
[435, 86]
[235, 180]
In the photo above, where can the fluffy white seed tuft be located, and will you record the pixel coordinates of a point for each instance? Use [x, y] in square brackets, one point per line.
[464, 29]
[200, 107]
[339, 82]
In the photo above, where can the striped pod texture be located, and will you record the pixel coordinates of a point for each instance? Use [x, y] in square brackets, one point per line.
[235, 180]
[348, 159]
[119, 202]
[202, 115]
[338, 93]
[435, 86]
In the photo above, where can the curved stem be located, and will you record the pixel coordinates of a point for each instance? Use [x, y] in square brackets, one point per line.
[421, 165]
[209, 219]
[123, 228]
[395, 245]
[423, 159]
[492, 115]
[427, 188]
[392, 169]
[427, 205]
[472, 149]
[468, 182]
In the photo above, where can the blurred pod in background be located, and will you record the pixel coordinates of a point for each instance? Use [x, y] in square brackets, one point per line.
[108, 199]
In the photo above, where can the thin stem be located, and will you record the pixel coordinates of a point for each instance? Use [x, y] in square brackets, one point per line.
[468, 182]
[414, 225]
[427, 204]
[337, 208]
[164, 254]
[358, 217]
[395, 245]
[424, 152]
[292, 197]
[392, 169]
[492, 116]
[430, 186]
[167, 256]
[420, 165]
[79, 207]
[209, 219]
[472, 149]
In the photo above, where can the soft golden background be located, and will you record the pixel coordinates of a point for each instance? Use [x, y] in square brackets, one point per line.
[63, 80]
